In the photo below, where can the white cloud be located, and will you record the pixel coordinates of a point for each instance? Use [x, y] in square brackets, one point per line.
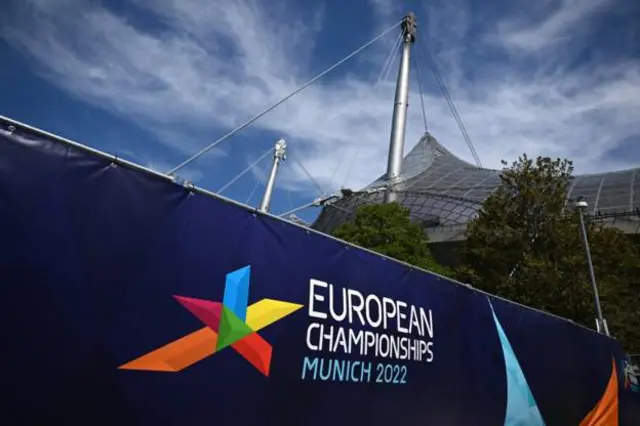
[559, 25]
[210, 65]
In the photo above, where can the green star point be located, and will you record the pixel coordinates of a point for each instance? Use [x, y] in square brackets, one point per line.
[231, 329]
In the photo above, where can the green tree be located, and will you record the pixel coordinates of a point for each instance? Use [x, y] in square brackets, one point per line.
[525, 245]
[387, 229]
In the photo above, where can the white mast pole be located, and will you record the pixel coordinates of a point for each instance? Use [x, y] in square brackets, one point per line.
[396, 144]
[279, 155]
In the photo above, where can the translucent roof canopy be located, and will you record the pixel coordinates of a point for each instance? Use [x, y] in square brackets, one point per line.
[442, 190]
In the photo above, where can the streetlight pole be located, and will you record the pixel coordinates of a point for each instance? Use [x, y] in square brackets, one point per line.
[601, 323]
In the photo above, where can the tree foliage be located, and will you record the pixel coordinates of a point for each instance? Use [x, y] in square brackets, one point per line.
[387, 229]
[526, 245]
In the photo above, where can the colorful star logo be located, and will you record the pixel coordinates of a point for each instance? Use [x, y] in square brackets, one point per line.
[230, 323]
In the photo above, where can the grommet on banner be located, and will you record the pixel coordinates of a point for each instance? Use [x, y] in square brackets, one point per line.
[11, 128]
[114, 161]
[255, 212]
[189, 186]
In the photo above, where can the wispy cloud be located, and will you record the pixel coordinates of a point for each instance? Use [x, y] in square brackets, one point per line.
[561, 22]
[180, 66]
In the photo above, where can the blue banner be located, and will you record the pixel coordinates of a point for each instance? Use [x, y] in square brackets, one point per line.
[130, 299]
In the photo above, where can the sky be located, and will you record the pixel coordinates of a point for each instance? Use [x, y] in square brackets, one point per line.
[156, 81]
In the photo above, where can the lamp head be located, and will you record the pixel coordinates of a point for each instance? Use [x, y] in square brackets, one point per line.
[581, 204]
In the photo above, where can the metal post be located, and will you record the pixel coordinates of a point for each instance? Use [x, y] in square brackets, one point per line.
[601, 323]
[396, 144]
[278, 156]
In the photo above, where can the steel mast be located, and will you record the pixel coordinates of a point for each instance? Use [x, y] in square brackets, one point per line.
[279, 155]
[398, 125]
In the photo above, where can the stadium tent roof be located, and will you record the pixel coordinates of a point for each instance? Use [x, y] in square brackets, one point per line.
[442, 190]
